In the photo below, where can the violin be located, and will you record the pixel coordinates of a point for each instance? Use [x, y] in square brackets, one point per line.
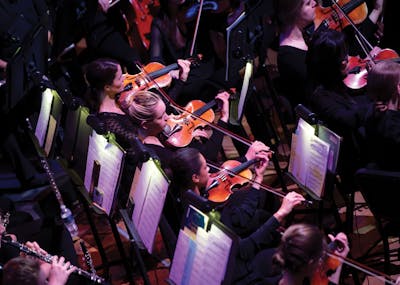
[142, 16]
[153, 75]
[332, 17]
[233, 176]
[357, 68]
[179, 130]
[329, 266]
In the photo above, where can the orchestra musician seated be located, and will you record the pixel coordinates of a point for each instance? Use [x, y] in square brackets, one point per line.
[382, 131]
[23, 270]
[242, 211]
[303, 256]
[327, 60]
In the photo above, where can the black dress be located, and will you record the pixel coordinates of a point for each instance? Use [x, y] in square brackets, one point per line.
[383, 139]
[293, 78]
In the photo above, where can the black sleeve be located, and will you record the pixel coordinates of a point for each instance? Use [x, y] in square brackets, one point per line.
[264, 236]
[244, 213]
[156, 43]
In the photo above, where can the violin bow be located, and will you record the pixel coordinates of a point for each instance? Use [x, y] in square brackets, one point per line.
[363, 268]
[196, 28]
[361, 39]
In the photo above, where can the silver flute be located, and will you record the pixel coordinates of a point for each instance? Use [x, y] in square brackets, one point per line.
[48, 259]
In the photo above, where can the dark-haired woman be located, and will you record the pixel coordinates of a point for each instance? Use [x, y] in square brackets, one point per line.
[242, 211]
[382, 124]
[327, 60]
[293, 17]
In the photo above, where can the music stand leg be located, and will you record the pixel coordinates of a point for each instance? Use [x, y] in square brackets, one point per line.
[121, 250]
[134, 246]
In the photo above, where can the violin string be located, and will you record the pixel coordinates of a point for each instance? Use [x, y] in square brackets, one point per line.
[353, 25]
[213, 126]
[363, 268]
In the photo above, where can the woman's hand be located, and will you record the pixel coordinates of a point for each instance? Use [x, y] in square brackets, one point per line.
[342, 240]
[224, 108]
[183, 72]
[255, 148]
[291, 200]
[260, 168]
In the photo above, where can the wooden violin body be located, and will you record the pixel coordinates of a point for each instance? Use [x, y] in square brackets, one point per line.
[357, 68]
[329, 266]
[332, 18]
[222, 184]
[179, 130]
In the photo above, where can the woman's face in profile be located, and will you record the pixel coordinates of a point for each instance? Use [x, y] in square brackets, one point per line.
[307, 13]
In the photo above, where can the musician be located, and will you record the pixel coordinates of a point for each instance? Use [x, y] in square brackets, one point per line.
[243, 211]
[254, 259]
[171, 39]
[343, 114]
[293, 17]
[105, 82]
[148, 111]
[24, 270]
[302, 254]
[383, 118]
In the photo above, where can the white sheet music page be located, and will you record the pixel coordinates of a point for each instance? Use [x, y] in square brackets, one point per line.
[110, 156]
[43, 119]
[316, 165]
[183, 259]
[149, 201]
[300, 150]
[213, 245]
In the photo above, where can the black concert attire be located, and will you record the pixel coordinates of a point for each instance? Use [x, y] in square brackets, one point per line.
[163, 49]
[293, 78]
[79, 19]
[125, 131]
[383, 139]
[343, 115]
[254, 259]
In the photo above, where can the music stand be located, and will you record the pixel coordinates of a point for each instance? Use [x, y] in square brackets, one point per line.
[202, 238]
[313, 158]
[144, 208]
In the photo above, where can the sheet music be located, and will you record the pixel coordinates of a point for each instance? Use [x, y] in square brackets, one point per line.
[183, 259]
[334, 141]
[213, 245]
[309, 158]
[43, 119]
[191, 263]
[149, 198]
[110, 157]
[299, 152]
[316, 165]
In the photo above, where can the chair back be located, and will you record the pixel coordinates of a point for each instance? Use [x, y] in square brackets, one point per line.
[379, 189]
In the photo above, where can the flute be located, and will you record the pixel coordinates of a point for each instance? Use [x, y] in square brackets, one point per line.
[48, 259]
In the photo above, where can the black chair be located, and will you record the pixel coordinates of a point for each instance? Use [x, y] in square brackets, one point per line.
[379, 190]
